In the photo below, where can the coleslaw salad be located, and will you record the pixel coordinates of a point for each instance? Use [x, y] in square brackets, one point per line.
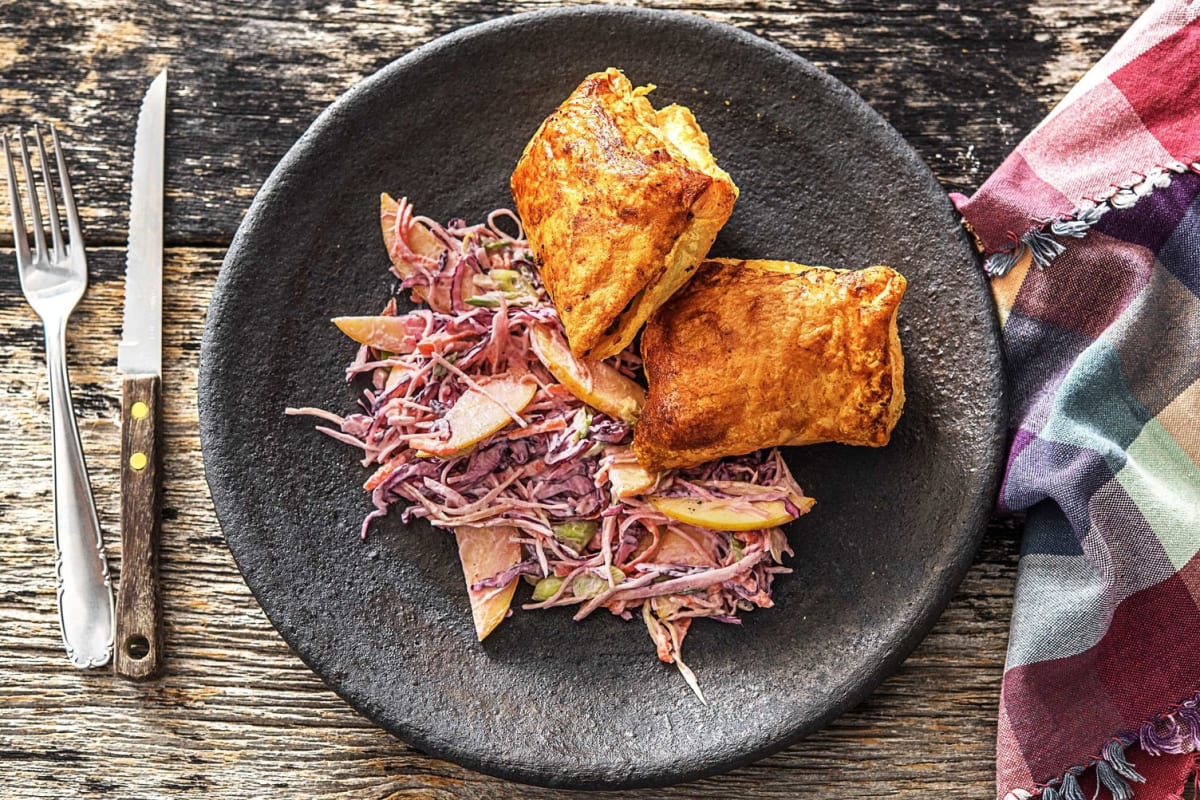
[474, 417]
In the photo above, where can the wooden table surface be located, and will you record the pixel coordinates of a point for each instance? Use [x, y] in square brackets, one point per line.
[236, 714]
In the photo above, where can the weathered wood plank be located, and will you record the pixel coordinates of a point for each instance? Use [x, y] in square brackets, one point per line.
[236, 714]
[963, 80]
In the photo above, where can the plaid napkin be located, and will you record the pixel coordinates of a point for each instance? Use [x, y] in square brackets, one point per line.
[1091, 231]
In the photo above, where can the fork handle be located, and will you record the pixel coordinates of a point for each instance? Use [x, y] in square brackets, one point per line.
[139, 618]
[85, 600]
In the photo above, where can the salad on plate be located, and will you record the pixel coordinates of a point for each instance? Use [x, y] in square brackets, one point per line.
[476, 417]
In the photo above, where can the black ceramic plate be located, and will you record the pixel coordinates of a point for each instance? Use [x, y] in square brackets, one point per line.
[386, 623]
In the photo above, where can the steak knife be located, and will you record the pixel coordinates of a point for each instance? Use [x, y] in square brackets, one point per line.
[138, 652]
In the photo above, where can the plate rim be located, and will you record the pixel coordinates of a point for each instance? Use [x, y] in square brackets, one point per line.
[926, 618]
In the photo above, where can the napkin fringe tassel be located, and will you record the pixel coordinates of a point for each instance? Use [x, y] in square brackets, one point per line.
[1174, 733]
[1044, 243]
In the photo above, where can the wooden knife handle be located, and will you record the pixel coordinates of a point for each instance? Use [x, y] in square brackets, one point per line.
[138, 651]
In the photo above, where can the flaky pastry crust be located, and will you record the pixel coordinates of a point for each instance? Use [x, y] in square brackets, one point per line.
[753, 354]
[620, 204]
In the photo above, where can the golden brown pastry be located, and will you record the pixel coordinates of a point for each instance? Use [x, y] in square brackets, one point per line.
[755, 354]
[620, 204]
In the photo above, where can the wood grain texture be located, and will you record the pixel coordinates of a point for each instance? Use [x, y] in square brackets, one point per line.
[237, 715]
[137, 649]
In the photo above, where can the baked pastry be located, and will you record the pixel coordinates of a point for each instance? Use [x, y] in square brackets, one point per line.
[620, 204]
[754, 354]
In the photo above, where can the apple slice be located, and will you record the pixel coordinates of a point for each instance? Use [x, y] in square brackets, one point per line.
[394, 334]
[419, 243]
[719, 516]
[420, 240]
[395, 375]
[675, 549]
[599, 385]
[630, 480]
[479, 414]
[485, 552]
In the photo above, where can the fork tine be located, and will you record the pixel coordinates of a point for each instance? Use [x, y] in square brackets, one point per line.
[35, 213]
[76, 233]
[51, 202]
[20, 240]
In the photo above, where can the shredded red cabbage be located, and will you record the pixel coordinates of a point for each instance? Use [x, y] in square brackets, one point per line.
[551, 465]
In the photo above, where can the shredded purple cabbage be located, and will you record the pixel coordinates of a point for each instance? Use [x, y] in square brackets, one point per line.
[553, 464]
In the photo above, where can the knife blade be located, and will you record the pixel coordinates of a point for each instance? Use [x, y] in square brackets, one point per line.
[138, 651]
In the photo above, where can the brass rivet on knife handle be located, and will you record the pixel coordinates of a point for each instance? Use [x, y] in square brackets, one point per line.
[138, 646]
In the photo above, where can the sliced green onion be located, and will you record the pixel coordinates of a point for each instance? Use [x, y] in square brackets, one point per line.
[588, 584]
[581, 423]
[547, 588]
[508, 280]
[576, 533]
[483, 301]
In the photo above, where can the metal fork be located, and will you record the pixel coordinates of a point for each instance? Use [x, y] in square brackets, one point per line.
[53, 280]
